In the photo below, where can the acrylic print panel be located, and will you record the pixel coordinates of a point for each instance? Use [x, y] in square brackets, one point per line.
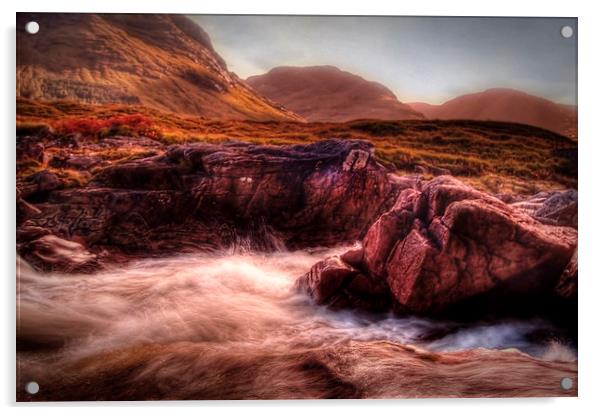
[295, 207]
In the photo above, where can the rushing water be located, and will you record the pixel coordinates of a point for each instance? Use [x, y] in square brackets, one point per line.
[235, 302]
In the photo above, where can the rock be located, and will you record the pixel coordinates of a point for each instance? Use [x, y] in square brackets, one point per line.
[335, 283]
[51, 253]
[39, 183]
[203, 194]
[28, 148]
[383, 234]
[432, 170]
[28, 233]
[76, 162]
[327, 278]
[567, 284]
[354, 256]
[507, 197]
[449, 246]
[560, 209]
[25, 210]
[552, 208]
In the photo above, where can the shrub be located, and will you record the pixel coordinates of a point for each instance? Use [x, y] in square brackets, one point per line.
[128, 125]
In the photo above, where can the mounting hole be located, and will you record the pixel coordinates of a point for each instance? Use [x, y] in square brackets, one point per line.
[32, 28]
[32, 388]
[566, 383]
[566, 32]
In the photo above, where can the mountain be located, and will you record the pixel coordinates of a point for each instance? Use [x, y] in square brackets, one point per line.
[502, 104]
[160, 61]
[326, 93]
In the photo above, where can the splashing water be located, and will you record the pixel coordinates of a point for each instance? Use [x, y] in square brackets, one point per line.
[229, 301]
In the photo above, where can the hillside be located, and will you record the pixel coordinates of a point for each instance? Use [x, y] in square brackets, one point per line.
[326, 93]
[501, 104]
[165, 62]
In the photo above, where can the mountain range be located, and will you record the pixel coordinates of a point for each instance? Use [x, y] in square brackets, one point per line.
[167, 62]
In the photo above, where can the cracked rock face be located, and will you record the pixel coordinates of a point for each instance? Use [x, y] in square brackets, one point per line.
[448, 245]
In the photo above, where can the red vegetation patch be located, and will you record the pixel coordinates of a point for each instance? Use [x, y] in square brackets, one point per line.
[130, 125]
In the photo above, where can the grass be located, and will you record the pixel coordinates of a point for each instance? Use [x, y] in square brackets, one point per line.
[491, 155]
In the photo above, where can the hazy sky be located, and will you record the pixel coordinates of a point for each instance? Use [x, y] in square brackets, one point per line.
[419, 58]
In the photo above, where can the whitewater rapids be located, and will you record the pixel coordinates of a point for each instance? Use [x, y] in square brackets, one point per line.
[230, 325]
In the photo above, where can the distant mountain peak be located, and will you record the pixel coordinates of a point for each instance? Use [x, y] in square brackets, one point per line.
[506, 104]
[327, 93]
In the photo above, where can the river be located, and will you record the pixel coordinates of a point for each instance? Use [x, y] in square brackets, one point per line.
[231, 325]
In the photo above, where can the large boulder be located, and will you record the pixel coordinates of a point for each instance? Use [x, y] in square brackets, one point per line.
[449, 247]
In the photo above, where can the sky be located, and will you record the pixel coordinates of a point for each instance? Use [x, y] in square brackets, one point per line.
[427, 59]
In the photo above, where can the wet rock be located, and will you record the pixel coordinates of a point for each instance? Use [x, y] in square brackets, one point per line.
[449, 246]
[326, 279]
[335, 283]
[51, 253]
[28, 233]
[354, 256]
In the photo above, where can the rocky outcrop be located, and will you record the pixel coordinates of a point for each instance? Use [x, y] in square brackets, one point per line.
[446, 246]
[207, 196]
[552, 208]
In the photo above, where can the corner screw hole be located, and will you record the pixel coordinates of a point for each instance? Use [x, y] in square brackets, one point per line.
[32, 388]
[566, 383]
[32, 28]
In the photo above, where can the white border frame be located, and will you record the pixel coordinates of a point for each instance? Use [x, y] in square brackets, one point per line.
[590, 146]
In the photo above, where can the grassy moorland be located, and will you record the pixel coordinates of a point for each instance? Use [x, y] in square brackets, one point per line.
[495, 156]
